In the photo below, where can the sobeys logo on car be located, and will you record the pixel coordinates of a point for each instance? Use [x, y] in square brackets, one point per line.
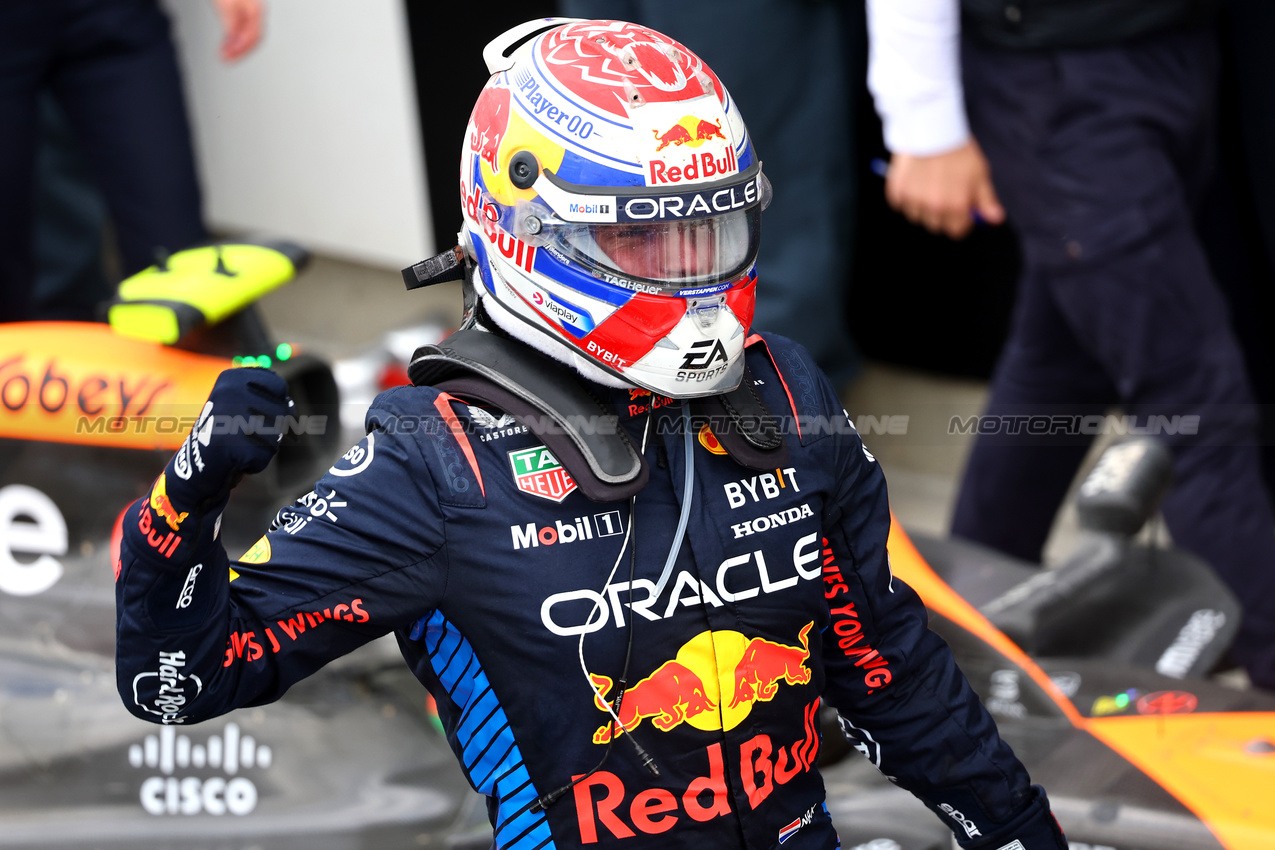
[538, 472]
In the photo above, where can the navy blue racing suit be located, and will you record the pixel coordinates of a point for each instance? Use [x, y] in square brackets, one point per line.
[456, 529]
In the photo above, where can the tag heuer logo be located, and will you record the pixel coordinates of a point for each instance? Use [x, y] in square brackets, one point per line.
[537, 471]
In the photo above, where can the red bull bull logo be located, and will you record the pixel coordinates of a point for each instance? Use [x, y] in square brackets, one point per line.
[705, 131]
[670, 695]
[161, 504]
[690, 131]
[688, 688]
[490, 120]
[766, 663]
[675, 135]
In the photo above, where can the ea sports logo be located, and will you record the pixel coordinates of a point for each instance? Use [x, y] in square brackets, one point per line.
[704, 354]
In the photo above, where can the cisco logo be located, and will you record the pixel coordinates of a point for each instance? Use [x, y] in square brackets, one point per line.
[228, 752]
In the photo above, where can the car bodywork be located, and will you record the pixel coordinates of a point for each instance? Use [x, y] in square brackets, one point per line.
[1132, 759]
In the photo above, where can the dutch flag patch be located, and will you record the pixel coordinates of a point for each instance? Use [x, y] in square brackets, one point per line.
[791, 829]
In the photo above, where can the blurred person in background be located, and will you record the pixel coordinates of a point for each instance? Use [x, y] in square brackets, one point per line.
[110, 67]
[1093, 122]
[70, 278]
[1238, 222]
[789, 65]
[1249, 30]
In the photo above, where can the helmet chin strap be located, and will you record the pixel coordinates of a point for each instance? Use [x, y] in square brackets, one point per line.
[519, 330]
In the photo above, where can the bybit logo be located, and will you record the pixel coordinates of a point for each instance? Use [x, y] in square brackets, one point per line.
[170, 752]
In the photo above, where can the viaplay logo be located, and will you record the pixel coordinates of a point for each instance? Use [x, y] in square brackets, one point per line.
[538, 473]
[222, 755]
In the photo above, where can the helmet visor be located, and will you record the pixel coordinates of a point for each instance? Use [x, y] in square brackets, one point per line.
[665, 256]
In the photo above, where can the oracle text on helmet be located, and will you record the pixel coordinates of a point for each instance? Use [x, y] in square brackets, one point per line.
[690, 205]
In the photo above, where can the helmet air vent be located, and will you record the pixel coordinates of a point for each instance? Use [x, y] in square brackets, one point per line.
[632, 95]
[523, 169]
[705, 310]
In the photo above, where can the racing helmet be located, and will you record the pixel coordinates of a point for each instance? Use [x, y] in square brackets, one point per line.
[612, 205]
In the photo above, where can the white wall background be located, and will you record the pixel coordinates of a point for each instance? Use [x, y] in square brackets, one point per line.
[315, 135]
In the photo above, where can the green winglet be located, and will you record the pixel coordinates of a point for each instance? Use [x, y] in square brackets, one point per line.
[154, 321]
[199, 286]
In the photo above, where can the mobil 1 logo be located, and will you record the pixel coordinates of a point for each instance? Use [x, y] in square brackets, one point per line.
[529, 536]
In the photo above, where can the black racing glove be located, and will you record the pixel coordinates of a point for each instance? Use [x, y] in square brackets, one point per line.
[1035, 828]
[174, 528]
[238, 432]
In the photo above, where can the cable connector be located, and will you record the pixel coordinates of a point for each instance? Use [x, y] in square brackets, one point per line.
[643, 756]
[546, 800]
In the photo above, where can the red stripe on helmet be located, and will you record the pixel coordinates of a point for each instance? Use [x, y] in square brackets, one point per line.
[742, 301]
[632, 330]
